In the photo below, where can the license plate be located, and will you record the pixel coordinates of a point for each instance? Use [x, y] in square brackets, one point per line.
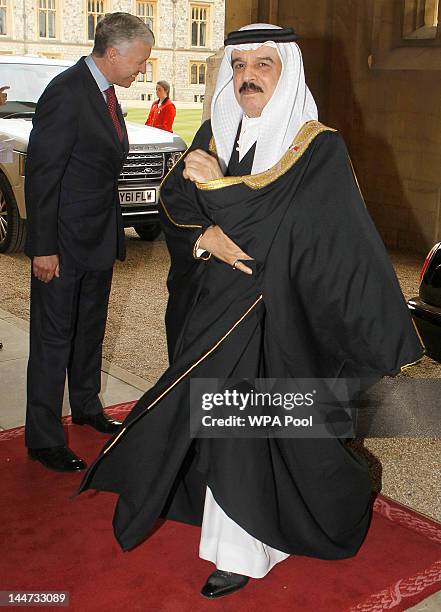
[137, 196]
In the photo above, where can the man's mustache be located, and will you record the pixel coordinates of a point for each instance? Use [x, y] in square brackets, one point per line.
[250, 86]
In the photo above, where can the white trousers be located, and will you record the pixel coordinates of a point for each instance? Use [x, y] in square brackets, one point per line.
[230, 547]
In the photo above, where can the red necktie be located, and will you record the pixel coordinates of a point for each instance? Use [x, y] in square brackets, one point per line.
[112, 103]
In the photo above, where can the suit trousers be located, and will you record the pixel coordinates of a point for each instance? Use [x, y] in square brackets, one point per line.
[67, 325]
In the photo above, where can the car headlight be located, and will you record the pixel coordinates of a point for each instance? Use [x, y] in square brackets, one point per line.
[173, 158]
[21, 163]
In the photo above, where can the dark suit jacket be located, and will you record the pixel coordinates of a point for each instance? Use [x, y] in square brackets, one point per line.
[73, 163]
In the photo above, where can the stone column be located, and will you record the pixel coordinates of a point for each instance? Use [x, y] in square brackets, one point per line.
[213, 63]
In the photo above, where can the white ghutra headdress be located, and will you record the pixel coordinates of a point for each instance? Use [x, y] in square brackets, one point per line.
[290, 106]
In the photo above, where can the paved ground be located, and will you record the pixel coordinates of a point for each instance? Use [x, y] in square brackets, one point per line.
[135, 355]
[117, 385]
[405, 469]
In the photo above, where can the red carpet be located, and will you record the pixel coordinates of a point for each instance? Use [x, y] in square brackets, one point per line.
[51, 541]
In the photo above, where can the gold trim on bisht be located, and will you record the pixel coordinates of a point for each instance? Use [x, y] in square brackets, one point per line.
[196, 247]
[178, 380]
[423, 346]
[173, 221]
[418, 334]
[301, 142]
[173, 167]
[162, 202]
[410, 365]
[356, 181]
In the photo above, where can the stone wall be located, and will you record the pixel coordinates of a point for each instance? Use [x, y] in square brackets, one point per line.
[383, 96]
[171, 64]
[390, 117]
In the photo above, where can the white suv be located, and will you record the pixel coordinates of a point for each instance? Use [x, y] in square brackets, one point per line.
[152, 153]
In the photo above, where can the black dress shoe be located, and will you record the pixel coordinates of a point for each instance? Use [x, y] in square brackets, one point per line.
[221, 583]
[59, 458]
[100, 422]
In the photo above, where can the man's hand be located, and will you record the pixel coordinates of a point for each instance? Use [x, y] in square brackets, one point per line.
[201, 167]
[3, 95]
[45, 267]
[218, 244]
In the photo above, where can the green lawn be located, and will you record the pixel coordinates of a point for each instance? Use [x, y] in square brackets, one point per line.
[186, 123]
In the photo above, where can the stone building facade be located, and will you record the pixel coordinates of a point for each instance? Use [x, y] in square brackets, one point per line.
[186, 32]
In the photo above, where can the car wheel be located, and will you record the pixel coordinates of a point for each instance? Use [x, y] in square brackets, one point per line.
[148, 232]
[12, 226]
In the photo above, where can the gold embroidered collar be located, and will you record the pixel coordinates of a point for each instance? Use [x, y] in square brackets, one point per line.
[301, 142]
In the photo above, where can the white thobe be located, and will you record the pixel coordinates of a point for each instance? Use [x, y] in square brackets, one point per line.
[231, 548]
[223, 541]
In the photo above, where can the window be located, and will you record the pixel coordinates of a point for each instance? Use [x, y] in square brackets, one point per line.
[199, 23]
[149, 72]
[3, 15]
[420, 19]
[406, 35]
[46, 18]
[148, 77]
[147, 12]
[95, 12]
[197, 73]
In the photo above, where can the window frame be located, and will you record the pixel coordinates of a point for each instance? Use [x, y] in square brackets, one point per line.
[105, 10]
[390, 51]
[208, 37]
[152, 61]
[154, 4]
[197, 63]
[46, 11]
[415, 41]
[6, 6]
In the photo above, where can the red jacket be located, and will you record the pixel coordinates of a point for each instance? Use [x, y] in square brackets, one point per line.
[162, 116]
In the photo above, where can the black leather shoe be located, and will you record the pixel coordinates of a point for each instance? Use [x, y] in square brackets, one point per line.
[100, 422]
[59, 458]
[221, 583]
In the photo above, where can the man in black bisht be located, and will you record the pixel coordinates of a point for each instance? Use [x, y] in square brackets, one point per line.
[277, 271]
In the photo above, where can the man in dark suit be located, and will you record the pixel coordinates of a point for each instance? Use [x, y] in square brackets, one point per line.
[75, 232]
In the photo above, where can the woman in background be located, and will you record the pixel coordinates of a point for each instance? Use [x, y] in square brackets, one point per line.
[163, 111]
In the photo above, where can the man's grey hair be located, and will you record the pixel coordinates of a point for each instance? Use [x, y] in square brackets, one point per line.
[118, 29]
[165, 86]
